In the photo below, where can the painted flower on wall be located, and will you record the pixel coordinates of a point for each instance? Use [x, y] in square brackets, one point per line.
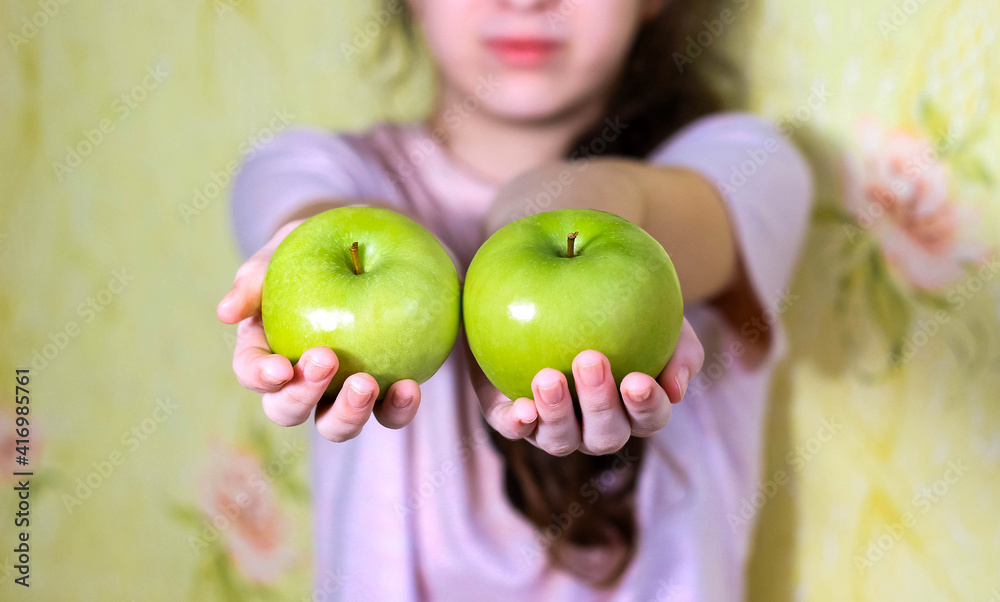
[237, 497]
[11, 447]
[897, 187]
[911, 233]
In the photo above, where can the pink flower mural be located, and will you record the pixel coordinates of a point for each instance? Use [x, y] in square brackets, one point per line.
[898, 188]
[9, 446]
[237, 497]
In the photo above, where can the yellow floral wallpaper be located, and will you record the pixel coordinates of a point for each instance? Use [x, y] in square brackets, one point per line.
[154, 477]
[888, 415]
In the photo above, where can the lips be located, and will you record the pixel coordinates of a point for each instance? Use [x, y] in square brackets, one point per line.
[523, 52]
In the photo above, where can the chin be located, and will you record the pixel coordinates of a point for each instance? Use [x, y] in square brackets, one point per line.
[530, 103]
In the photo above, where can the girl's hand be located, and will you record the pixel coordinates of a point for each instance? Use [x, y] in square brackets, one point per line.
[609, 419]
[292, 392]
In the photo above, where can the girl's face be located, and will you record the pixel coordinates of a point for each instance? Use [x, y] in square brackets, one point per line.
[529, 60]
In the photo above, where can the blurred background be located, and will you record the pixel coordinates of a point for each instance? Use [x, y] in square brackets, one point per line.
[123, 123]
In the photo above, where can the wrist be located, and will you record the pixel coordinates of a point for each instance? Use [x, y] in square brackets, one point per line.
[601, 184]
[534, 191]
[283, 231]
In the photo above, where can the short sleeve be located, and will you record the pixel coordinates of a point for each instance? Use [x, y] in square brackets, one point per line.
[767, 186]
[294, 170]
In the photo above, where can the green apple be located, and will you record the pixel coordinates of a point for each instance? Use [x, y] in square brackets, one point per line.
[548, 286]
[372, 285]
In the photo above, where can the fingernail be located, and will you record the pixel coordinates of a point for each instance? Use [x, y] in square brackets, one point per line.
[681, 380]
[402, 401]
[523, 414]
[316, 372]
[272, 378]
[552, 396]
[550, 390]
[358, 394]
[640, 395]
[226, 299]
[592, 375]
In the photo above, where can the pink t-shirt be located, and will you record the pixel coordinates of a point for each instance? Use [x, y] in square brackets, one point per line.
[420, 513]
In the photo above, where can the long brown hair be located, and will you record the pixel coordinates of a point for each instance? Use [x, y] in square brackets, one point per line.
[584, 506]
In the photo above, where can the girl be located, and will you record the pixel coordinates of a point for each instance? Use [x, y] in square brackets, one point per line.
[542, 105]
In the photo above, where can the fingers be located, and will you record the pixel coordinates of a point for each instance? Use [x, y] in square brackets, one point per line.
[684, 365]
[646, 404]
[294, 402]
[243, 300]
[255, 366]
[512, 419]
[348, 414]
[605, 427]
[558, 430]
[399, 405]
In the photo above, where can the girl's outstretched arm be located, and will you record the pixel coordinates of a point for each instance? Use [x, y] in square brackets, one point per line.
[728, 197]
[733, 247]
[678, 207]
[703, 252]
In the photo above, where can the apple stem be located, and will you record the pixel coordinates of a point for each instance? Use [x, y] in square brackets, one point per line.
[569, 243]
[356, 258]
